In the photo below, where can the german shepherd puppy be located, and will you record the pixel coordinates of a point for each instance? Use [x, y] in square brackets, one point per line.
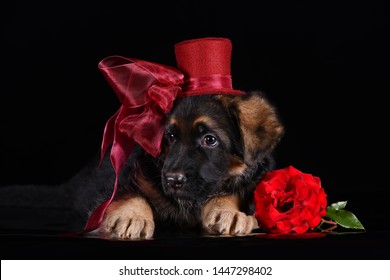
[215, 151]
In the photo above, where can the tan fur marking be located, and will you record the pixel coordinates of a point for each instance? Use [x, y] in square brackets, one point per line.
[150, 191]
[225, 99]
[205, 120]
[173, 121]
[256, 113]
[147, 188]
[237, 166]
[212, 124]
[131, 217]
[221, 215]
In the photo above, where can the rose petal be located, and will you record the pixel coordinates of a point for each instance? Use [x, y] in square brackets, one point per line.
[302, 191]
[296, 221]
[318, 180]
[283, 227]
[274, 214]
[311, 202]
[292, 171]
[315, 221]
[301, 228]
[322, 198]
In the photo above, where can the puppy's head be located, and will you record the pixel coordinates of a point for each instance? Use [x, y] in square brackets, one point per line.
[211, 141]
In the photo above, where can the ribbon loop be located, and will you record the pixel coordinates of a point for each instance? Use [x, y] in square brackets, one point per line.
[147, 91]
[143, 87]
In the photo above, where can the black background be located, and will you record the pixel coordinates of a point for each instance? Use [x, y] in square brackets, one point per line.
[325, 66]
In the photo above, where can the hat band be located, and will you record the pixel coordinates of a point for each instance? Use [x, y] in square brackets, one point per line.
[207, 83]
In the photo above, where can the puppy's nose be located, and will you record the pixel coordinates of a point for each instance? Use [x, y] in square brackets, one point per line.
[175, 180]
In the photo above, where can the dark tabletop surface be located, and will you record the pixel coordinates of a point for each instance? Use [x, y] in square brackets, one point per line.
[23, 236]
[54, 245]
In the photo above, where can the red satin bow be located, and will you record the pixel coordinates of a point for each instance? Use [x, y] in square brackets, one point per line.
[147, 91]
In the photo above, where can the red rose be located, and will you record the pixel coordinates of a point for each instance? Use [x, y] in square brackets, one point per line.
[289, 201]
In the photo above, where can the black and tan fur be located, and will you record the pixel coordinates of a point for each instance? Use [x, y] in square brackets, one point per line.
[215, 150]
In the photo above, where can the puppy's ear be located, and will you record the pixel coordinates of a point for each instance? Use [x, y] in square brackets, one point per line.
[259, 125]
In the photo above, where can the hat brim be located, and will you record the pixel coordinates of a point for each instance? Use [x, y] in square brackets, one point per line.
[205, 91]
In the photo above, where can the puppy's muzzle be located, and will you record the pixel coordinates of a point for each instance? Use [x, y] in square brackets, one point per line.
[175, 180]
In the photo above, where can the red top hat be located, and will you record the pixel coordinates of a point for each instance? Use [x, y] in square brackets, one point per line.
[205, 63]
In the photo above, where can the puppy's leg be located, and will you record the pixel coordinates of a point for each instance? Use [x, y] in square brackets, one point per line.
[130, 217]
[221, 215]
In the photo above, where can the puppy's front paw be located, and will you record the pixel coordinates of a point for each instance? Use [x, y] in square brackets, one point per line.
[222, 216]
[129, 218]
[226, 222]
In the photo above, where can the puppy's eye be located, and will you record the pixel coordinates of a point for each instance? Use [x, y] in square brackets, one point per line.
[209, 141]
[171, 137]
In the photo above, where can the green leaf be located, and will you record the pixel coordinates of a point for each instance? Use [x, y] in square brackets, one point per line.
[337, 206]
[344, 218]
